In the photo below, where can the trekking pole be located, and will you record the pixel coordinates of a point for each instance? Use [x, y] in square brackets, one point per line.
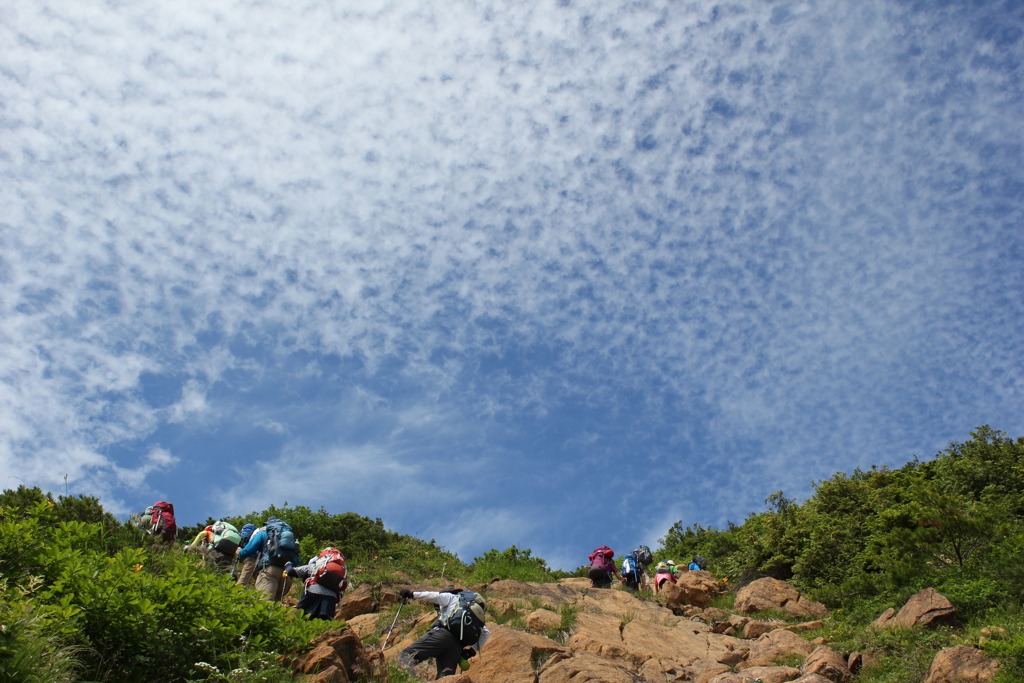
[442, 571]
[233, 563]
[388, 636]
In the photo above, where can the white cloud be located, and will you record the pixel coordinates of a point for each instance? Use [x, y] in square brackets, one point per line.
[795, 223]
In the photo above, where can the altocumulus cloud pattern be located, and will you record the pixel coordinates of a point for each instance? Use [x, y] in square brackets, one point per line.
[555, 273]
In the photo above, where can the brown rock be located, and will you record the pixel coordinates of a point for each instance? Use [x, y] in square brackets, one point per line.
[828, 663]
[854, 661]
[698, 587]
[927, 608]
[543, 620]
[331, 674]
[457, 678]
[755, 629]
[553, 595]
[625, 604]
[769, 593]
[884, 619]
[510, 656]
[364, 625]
[359, 601]
[772, 674]
[580, 667]
[598, 634]
[499, 607]
[961, 664]
[777, 644]
[339, 649]
[706, 674]
[811, 678]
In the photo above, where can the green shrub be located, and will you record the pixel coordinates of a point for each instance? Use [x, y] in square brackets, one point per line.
[138, 613]
[511, 563]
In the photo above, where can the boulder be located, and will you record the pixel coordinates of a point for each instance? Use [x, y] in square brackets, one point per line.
[543, 620]
[697, 588]
[580, 667]
[928, 608]
[769, 593]
[884, 619]
[811, 678]
[777, 644]
[337, 654]
[510, 656]
[961, 664]
[828, 663]
[359, 601]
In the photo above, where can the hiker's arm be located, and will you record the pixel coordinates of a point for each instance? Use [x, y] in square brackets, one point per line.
[253, 546]
[484, 635]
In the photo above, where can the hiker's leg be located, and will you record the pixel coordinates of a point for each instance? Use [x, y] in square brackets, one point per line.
[438, 643]
[247, 571]
[267, 582]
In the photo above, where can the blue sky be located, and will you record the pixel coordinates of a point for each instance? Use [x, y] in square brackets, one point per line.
[554, 274]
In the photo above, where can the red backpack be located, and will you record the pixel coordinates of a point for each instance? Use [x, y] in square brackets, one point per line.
[329, 570]
[601, 557]
[163, 520]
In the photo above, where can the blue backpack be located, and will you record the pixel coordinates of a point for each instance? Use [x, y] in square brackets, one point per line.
[631, 569]
[281, 546]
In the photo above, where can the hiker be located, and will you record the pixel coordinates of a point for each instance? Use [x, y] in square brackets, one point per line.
[458, 634]
[602, 567]
[158, 520]
[632, 571]
[698, 564]
[646, 559]
[217, 543]
[202, 540]
[272, 547]
[325, 579]
[664, 571]
[248, 570]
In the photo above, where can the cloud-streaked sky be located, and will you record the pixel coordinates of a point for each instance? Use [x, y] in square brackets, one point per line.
[554, 274]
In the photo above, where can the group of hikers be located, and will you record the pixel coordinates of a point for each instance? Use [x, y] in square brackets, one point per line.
[634, 570]
[270, 553]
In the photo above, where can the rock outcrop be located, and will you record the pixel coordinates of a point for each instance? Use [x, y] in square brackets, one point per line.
[961, 664]
[928, 608]
[613, 636]
[769, 593]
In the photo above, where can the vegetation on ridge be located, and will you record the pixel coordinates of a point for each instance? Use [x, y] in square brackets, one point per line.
[85, 597]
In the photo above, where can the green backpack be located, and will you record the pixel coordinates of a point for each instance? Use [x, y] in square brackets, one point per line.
[226, 537]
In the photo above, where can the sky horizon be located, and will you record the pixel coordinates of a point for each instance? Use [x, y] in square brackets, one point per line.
[474, 268]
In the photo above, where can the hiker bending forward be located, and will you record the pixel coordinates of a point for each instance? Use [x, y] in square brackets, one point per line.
[454, 636]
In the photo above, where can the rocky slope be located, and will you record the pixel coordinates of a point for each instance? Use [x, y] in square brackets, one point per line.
[567, 632]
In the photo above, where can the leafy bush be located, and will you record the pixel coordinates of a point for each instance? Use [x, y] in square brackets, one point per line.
[138, 613]
[511, 563]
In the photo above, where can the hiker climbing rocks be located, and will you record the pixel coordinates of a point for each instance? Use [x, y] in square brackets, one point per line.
[698, 564]
[458, 634]
[272, 547]
[632, 571]
[664, 571]
[158, 520]
[602, 567]
[325, 579]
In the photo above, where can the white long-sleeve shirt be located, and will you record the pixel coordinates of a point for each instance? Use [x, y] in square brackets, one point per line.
[449, 602]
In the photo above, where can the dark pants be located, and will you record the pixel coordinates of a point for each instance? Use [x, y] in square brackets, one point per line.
[438, 643]
[600, 577]
[318, 606]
